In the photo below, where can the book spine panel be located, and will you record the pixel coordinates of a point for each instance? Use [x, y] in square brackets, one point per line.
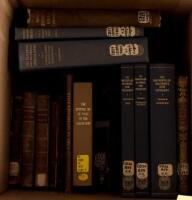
[77, 33]
[163, 131]
[42, 141]
[68, 145]
[28, 135]
[45, 55]
[82, 134]
[141, 130]
[183, 133]
[93, 18]
[127, 130]
[15, 141]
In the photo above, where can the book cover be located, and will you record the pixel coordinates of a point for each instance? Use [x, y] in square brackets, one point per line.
[127, 130]
[91, 18]
[67, 54]
[141, 104]
[22, 34]
[163, 130]
[41, 140]
[28, 139]
[82, 134]
[15, 141]
[183, 133]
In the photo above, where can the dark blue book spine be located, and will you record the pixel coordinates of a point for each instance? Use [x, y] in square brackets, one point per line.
[163, 131]
[141, 130]
[86, 53]
[77, 33]
[127, 130]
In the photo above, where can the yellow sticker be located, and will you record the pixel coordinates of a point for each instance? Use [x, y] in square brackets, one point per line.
[83, 177]
[82, 163]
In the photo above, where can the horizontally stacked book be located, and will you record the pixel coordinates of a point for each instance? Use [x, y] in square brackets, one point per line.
[58, 133]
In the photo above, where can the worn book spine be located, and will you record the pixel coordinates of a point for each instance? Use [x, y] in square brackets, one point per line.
[69, 130]
[15, 141]
[91, 18]
[101, 154]
[127, 130]
[163, 130]
[110, 4]
[67, 54]
[183, 133]
[141, 129]
[28, 139]
[42, 140]
[82, 134]
[77, 33]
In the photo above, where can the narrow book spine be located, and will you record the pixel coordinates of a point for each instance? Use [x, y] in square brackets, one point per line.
[183, 132]
[127, 130]
[91, 18]
[163, 130]
[63, 54]
[141, 130]
[42, 141]
[28, 135]
[77, 33]
[68, 145]
[82, 134]
[15, 141]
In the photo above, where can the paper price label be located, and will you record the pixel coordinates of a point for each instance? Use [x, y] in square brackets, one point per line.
[82, 164]
[144, 17]
[128, 168]
[124, 31]
[165, 170]
[142, 170]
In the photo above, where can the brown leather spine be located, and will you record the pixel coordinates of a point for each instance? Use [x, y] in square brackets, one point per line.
[183, 133]
[42, 141]
[82, 134]
[91, 18]
[28, 139]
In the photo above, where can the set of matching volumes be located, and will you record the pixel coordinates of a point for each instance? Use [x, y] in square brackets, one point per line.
[44, 153]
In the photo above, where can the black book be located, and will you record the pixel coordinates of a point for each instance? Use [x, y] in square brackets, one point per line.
[141, 130]
[77, 33]
[127, 130]
[163, 130]
[86, 53]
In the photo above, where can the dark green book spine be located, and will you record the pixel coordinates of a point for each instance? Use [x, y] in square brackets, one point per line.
[86, 53]
[141, 130]
[163, 131]
[127, 130]
[77, 33]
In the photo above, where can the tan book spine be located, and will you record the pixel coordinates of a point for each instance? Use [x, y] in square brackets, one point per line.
[91, 18]
[82, 134]
[28, 139]
[183, 133]
[42, 141]
[68, 145]
[110, 4]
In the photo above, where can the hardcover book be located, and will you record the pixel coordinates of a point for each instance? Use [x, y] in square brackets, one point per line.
[82, 134]
[77, 33]
[141, 129]
[67, 54]
[163, 130]
[28, 139]
[42, 141]
[127, 130]
[183, 133]
[91, 18]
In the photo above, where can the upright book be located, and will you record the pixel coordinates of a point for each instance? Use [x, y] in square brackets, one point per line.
[141, 129]
[82, 134]
[77, 33]
[163, 130]
[127, 130]
[91, 18]
[63, 54]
